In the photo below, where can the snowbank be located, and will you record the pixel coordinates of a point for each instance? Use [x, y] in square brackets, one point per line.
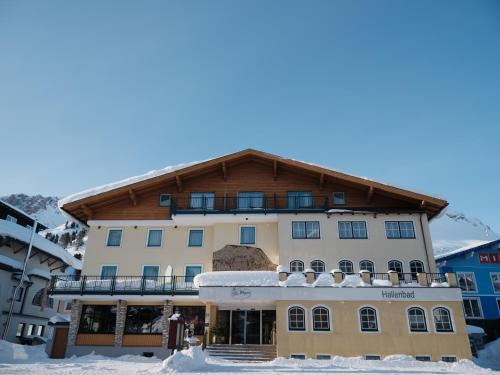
[353, 281]
[295, 279]
[237, 278]
[324, 279]
[192, 359]
[12, 353]
[490, 355]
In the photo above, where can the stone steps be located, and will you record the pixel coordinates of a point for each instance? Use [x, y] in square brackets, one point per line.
[242, 353]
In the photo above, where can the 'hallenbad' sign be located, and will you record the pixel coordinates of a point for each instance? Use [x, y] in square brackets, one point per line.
[393, 294]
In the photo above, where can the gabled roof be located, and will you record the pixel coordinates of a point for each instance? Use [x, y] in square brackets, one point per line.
[467, 249]
[80, 201]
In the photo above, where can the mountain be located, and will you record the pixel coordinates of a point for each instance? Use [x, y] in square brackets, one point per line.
[453, 230]
[65, 233]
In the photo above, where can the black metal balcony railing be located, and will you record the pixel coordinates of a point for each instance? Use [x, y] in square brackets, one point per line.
[266, 204]
[130, 285]
[435, 278]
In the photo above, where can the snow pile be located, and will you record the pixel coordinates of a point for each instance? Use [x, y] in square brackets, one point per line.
[324, 279]
[475, 330]
[192, 359]
[490, 355]
[353, 281]
[295, 279]
[280, 268]
[60, 319]
[237, 278]
[12, 353]
[436, 284]
[379, 282]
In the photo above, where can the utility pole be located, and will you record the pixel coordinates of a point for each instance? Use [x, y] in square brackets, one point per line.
[21, 281]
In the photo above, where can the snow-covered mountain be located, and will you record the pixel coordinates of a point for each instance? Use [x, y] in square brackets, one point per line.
[453, 230]
[61, 231]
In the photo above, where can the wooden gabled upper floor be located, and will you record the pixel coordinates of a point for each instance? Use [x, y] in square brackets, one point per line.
[244, 181]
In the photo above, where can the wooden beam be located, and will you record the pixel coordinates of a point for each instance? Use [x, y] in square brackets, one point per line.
[133, 196]
[63, 268]
[87, 211]
[370, 193]
[178, 180]
[275, 170]
[46, 259]
[35, 252]
[53, 262]
[20, 249]
[224, 171]
[321, 180]
[423, 204]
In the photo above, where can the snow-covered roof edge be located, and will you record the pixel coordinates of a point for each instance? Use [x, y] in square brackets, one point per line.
[19, 210]
[466, 249]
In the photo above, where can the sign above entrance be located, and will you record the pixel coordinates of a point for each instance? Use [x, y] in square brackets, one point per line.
[489, 257]
[240, 293]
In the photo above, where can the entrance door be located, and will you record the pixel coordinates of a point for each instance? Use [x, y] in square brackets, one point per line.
[238, 327]
[251, 326]
[252, 332]
[59, 344]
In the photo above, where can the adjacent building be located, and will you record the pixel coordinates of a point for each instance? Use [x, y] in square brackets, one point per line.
[255, 249]
[478, 273]
[32, 305]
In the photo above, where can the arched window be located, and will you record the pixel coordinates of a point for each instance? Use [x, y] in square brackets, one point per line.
[296, 266]
[368, 319]
[38, 298]
[416, 266]
[366, 265]
[296, 319]
[396, 265]
[318, 266]
[346, 266]
[442, 320]
[321, 319]
[416, 319]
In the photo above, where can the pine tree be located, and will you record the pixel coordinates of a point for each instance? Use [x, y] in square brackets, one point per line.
[65, 239]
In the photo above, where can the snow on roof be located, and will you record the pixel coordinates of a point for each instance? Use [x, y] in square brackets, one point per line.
[18, 210]
[39, 272]
[471, 246]
[237, 278]
[474, 329]
[125, 182]
[24, 234]
[11, 262]
[60, 318]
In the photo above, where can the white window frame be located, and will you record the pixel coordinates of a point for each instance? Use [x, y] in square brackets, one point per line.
[318, 260]
[473, 280]
[11, 218]
[305, 230]
[343, 198]
[296, 260]
[330, 325]
[399, 230]
[351, 222]
[366, 260]
[186, 265]
[481, 316]
[255, 233]
[202, 237]
[121, 238]
[288, 319]
[428, 329]
[151, 265]
[452, 317]
[107, 265]
[346, 260]
[169, 200]
[491, 279]
[161, 240]
[377, 314]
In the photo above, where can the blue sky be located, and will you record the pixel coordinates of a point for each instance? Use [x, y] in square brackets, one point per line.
[403, 92]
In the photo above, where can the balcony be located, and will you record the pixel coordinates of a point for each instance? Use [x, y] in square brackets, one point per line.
[122, 285]
[256, 204]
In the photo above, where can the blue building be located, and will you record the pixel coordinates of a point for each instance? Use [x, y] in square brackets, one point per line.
[478, 274]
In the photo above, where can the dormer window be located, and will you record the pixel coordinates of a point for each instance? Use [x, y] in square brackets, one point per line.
[165, 200]
[338, 197]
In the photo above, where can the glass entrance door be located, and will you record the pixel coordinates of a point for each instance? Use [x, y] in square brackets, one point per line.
[252, 326]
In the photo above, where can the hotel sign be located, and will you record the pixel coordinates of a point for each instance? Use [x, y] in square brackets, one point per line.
[489, 257]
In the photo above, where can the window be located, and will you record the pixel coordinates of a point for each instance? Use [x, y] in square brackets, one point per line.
[114, 237]
[323, 356]
[247, 235]
[296, 319]
[396, 265]
[367, 265]
[416, 320]
[339, 197]
[31, 329]
[151, 272]
[40, 330]
[346, 266]
[155, 237]
[472, 308]
[305, 229]
[352, 229]
[442, 320]
[318, 266]
[321, 319]
[19, 296]
[300, 199]
[20, 329]
[399, 229]
[466, 281]
[195, 238]
[372, 357]
[143, 319]
[368, 319]
[194, 318]
[297, 356]
[98, 319]
[449, 358]
[108, 271]
[416, 267]
[205, 201]
[250, 200]
[165, 200]
[423, 358]
[296, 266]
[192, 271]
[11, 219]
[495, 281]
[38, 297]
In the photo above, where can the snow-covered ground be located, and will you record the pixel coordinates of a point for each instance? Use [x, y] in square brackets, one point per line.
[32, 360]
